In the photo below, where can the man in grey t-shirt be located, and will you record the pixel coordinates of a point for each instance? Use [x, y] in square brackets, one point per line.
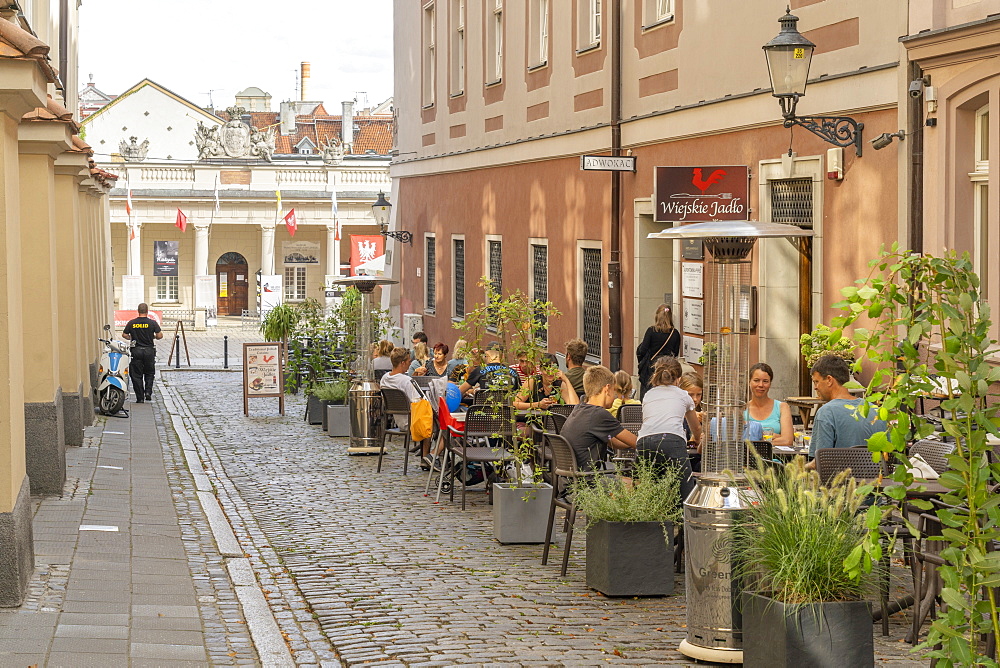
[836, 424]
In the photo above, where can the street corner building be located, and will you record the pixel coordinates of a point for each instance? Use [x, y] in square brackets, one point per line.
[511, 106]
[228, 212]
[55, 267]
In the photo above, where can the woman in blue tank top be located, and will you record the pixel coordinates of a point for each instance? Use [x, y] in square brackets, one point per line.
[770, 413]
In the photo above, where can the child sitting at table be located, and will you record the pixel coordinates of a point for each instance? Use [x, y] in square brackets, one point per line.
[623, 392]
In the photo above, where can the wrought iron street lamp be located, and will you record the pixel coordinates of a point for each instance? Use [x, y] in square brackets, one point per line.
[381, 210]
[789, 55]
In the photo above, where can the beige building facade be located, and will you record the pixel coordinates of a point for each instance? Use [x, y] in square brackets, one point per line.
[55, 266]
[509, 95]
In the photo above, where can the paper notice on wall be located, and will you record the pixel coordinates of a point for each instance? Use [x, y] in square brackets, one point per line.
[132, 289]
[204, 292]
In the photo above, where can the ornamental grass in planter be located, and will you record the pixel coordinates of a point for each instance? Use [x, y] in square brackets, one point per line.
[801, 607]
[326, 395]
[630, 529]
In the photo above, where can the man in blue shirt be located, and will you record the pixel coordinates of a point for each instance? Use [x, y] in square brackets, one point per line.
[837, 425]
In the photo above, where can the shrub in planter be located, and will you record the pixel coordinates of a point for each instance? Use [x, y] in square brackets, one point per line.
[630, 530]
[801, 606]
[322, 395]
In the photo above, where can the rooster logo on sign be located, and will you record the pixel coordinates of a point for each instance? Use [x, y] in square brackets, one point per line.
[703, 185]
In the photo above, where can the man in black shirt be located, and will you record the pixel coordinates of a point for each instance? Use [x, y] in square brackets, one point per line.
[144, 331]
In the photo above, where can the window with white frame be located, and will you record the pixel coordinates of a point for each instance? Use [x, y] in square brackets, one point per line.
[589, 29]
[457, 47]
[295, 284]
[494, 37]
[538, 37]
[166, 289]
[980, 177]
[430, 274]
[429, 64]
[458, 264]
[656, 11]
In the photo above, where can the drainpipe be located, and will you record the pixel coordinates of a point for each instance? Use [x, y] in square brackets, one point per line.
[64, 47]
[614, 266]
[915, 142]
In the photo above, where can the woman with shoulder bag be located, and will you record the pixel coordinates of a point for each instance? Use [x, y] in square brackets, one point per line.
[660, 339]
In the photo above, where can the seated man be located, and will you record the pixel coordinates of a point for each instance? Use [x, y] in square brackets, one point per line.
[591, 428]
[494, 373]
[576, 353]
[836, 424]
[397, 379]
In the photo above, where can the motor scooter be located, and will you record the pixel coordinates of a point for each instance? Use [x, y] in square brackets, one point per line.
[112, 374]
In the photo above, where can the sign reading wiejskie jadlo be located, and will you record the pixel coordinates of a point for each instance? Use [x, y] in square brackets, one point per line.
[165, 257]
[701, 194]
[607, 163]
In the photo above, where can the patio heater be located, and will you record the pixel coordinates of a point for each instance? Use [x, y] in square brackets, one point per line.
[365, 396]
[713, 617]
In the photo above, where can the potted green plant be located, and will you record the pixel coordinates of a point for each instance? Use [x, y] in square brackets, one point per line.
[630, 530]
[801, 607]
[332, 397]
[521, 500]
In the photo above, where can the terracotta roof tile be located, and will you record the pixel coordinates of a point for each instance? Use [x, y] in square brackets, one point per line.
[373, 132]
[53, 111]
[82, 146]
[17, 43]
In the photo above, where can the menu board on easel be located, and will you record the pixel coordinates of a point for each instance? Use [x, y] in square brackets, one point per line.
[263, 373]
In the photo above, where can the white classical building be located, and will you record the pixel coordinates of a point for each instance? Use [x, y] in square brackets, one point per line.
[223, 173]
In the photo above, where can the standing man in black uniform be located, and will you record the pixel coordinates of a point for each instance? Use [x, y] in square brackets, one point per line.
[143, 330]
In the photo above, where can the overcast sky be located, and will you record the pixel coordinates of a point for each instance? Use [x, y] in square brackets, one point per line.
[194, 46]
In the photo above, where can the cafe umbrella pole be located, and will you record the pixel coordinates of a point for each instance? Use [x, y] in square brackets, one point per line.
[714, 624]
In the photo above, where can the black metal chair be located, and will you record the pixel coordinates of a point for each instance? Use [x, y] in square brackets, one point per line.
[396, 403]
[934, 453]
[489, 431]
[831, 461]
[564, 472]
[562, 409]
[630, 415]
[491, 398]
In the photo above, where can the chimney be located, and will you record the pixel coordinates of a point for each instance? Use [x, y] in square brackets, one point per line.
[287, 118]
[347, 125]
[304, 82]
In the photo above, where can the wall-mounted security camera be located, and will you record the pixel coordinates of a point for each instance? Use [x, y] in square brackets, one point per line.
[916, 88]
[885, 139]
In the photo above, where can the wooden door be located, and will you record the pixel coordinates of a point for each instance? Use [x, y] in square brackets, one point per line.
[232, 277]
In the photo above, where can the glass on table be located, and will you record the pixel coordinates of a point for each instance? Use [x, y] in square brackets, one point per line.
[768, 433]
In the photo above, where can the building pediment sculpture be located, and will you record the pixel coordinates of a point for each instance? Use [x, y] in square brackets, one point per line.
[132, 150]
[333, 151]
[234, 139]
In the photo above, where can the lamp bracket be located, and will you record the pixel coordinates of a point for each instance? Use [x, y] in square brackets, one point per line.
[840, 131]
[402, 236]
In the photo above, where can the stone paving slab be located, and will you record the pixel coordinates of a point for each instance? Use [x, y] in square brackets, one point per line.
[109, 598]
[387, 576]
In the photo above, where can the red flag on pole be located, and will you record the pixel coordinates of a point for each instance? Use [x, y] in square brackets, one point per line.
[131, 233]
[182, 221]
[128, 201]
[291, 223]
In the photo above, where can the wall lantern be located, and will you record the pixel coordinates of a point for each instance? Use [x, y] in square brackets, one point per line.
[381, 210]
[789, 55]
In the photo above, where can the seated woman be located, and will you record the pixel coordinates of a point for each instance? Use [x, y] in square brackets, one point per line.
[772, 414]
[380, 353]
[420, 357]
[664, 410]
[693, 384]
[546, 388]
[438, 366]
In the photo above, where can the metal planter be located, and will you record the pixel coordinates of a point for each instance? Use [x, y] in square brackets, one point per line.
[817, 635]
[520, 512]
[631, 558]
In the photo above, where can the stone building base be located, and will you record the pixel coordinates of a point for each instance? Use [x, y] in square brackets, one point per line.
[72, 417]
[45, 446]
[17, 556]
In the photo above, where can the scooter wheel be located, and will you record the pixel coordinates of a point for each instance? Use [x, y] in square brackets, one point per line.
[112, 401]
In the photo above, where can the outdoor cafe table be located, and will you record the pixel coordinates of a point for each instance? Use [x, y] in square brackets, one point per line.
[807, 406]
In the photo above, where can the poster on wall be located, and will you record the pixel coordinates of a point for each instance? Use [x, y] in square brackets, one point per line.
[300, 252]
[270, 292]
[701, 193]
[204, 292]
[132, 288]
[165, 257]
[691, 279]
[365, 248]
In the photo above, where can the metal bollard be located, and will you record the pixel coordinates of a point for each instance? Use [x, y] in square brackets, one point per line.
[225, 352]
[177, 361]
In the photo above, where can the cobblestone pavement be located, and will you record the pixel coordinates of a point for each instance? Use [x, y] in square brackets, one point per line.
[126, 570]
[366, 565]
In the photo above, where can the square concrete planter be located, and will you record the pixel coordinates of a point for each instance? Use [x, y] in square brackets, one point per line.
[631, 558]
[338, 420]
[520, 512]
[817, 635]
[314, 410]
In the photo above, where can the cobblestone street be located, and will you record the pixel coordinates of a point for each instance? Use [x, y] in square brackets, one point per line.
[364, 567]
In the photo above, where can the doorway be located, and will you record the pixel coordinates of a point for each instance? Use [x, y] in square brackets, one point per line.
[231, 282]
